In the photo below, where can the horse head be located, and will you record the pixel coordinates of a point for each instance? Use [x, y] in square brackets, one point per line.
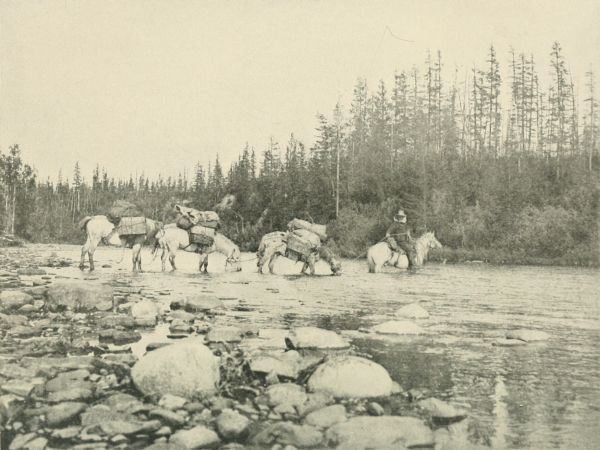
[334, 264]
[235, 259]
[432, 241]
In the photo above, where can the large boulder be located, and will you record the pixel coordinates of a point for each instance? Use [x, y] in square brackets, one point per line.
[398, 327]
[14, 299]
[184, 369]
[78, 295]
[366, 432]
[316, 338]
[351, 376]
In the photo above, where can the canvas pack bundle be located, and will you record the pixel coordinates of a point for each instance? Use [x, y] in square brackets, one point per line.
[274, 237]
[123, 208]
[202, 235]
[209, 219]
[299, 224]
[132, 226]
[184, 223]
[303, 242]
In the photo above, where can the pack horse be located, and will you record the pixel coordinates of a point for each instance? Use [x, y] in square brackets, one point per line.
[131, 232]
[197, 232]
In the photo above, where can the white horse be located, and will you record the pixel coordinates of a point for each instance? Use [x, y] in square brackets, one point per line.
[273, 245]
[175, 238]
[100, 228]
[380, 254]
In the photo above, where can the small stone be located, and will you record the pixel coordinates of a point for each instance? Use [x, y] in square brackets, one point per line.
[326, 417]
[119, 337]
[286, 394]
[412, 311]
[63, 412]
[10, 406]
[70, 395]
[375, 409]
[145, 309]
[441, 411]
[167, 416]
[18, 387]
[20, 440]
[172, 402]
[316, 338]
[66, 433]
[24, 331]
[231, 424]
[528, 335]
[119, 439]
[224, 334]
[197, 437]
[398, 327]
[164, 431]
[287, 433]
[201, 303]
[182, 315]
[179, 326]
[504, 342]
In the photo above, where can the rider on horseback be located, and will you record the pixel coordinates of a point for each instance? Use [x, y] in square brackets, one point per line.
[398, 237]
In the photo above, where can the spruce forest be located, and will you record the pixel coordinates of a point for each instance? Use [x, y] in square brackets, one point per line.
[502, 181]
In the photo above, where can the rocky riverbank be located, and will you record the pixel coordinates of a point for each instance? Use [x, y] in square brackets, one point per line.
[79, 369]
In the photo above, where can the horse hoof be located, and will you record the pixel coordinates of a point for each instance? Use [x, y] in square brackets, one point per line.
[81, 267]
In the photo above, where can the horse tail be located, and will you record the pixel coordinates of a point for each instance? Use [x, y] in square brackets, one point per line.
[83, 222]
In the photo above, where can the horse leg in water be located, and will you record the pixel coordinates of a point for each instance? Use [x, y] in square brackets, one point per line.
[136, 257]
[84, 251]
[203, 262]
[272, 259]
[88, 248]
[311, 261]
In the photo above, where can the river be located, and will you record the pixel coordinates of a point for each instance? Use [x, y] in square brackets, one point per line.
[539, 395]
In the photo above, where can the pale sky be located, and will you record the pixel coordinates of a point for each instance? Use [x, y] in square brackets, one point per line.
[153, 86]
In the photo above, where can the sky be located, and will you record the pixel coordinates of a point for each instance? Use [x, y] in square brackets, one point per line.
[148, 86]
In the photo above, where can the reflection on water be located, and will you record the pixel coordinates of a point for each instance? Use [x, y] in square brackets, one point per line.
[543, 395]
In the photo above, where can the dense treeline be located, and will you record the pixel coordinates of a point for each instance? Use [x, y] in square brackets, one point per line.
[506, 184]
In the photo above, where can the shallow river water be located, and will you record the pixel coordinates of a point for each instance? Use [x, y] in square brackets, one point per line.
[539, 395]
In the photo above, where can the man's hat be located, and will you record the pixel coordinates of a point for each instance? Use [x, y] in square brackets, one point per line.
[399, 215]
